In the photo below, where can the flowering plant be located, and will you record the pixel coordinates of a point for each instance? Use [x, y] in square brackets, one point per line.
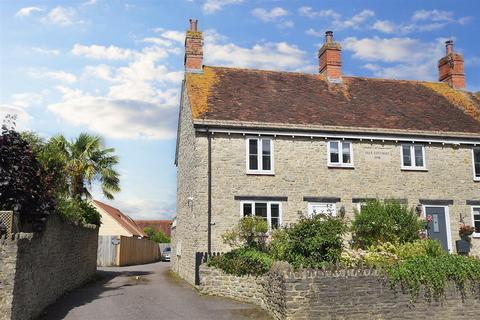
[466, 230]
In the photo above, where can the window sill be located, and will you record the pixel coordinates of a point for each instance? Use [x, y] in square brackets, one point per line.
[340, 166]
[413, 169]
[260, 173]
[476, 179]
[476, 235]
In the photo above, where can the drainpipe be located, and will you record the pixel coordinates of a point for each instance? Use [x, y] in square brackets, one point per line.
[209, 210]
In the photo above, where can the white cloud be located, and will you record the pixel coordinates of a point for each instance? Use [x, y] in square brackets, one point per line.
[212, 6]
[315, 33]
[335, 19]
[384, 26]
[268, 16]
[90, 3]
[101, 71]
[178, 36]
[54, 52]
[61, 16]
[400, 58]
[116, 118]
[140, 96]
[142, 208]
[23, 118]
[433, 15]
[18, 105]
[270, 55]
[25, 12]
[421, 20]
[58, 75]
[286, 24]
[102, 52]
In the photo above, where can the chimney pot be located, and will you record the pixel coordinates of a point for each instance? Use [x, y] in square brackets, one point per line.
[449, 46]
[193, 24]
[328, 37]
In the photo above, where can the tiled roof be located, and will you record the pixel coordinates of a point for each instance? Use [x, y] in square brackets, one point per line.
[243, 95]
[121, 218]
[158, 225]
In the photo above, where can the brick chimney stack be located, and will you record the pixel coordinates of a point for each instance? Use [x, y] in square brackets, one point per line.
[193, 49]
[330, 59]
[450, 68]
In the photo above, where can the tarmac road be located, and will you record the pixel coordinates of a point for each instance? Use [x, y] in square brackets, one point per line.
[145, 292]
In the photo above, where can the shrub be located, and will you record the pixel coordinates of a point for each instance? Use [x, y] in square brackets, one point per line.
[156, 236]
[311, 242]
[250, 232]
[379, 222]
[23, 187]
[242, 261]
[79, 211]
[419, 248]
[387, 254]
[433, 273]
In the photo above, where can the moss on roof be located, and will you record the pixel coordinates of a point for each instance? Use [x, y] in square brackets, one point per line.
[199, 86]
[461, 99]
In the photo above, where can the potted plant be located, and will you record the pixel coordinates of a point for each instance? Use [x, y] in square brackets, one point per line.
[463, 245]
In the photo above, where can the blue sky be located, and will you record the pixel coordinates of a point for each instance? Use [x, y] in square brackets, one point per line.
[115, 67]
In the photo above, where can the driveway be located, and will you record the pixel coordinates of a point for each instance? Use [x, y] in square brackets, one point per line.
[145, 292]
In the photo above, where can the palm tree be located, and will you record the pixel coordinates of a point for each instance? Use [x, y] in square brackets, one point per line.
[87, 161]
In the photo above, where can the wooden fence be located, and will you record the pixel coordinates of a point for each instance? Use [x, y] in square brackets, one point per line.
[124, 251]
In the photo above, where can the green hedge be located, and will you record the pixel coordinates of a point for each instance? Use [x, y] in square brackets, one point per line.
[311, 243]
[243, 261]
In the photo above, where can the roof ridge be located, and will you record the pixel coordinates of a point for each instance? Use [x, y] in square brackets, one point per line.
[323, 77]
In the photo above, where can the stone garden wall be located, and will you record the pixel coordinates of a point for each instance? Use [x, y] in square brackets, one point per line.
[347, 294]
[36, 269]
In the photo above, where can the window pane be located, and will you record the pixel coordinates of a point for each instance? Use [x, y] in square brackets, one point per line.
[275, 223]
[346, 152]
[334, 152]
[261, 209]
[476, 219]
[253, 163]
[407, 159]
[266, 151]
[476, 157]
[418, 156]
[247, 209]
[253, 146]
[253, 154]
[274, 210]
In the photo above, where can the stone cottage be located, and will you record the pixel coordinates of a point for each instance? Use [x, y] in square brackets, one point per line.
[282, 145]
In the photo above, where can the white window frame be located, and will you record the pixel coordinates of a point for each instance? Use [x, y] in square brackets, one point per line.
[413, 167]
[447, 222]
[269, 212]
[259, 156]
[360, 205]
[311, 204]
[473, 208]
[475, 178]
[340, 162]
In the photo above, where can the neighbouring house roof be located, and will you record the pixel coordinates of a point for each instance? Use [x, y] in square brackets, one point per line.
[122, 219]
[158, 225]
[287, 98]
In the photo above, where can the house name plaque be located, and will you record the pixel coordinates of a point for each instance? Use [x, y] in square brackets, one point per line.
[378, 155]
